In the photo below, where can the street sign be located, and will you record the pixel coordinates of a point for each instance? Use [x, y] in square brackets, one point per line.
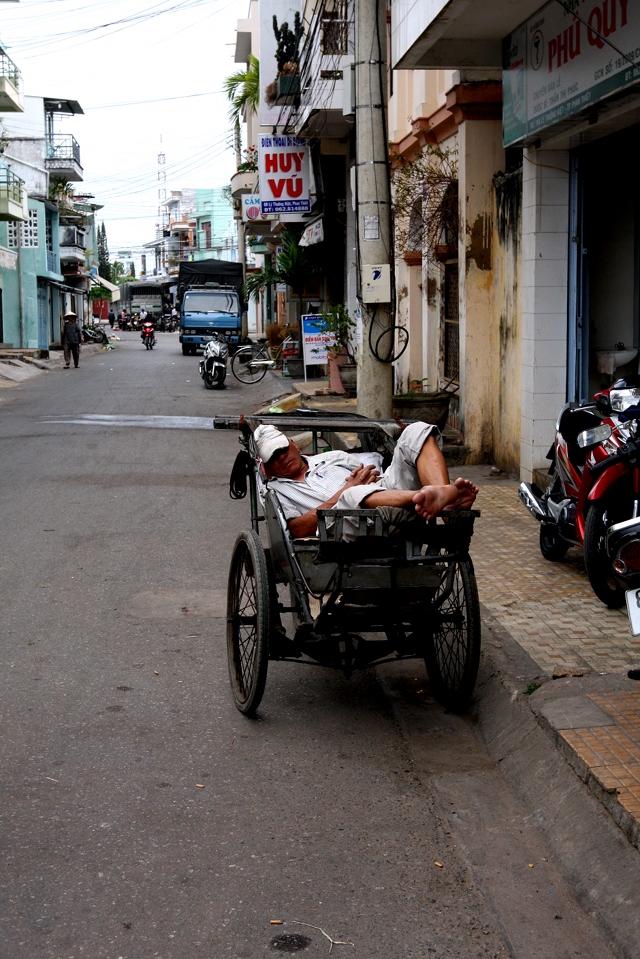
[315, 340]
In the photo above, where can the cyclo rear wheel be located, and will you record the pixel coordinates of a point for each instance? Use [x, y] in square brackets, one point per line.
[248, 622]
[452, 653]
[244, 367]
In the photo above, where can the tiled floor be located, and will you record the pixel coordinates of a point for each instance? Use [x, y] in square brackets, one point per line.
[613, 752]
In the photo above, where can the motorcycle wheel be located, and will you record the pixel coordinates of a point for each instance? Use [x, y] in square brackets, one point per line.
[147, 344]
[552, 546]
[221, 378]
[601, 577]
[209, 381]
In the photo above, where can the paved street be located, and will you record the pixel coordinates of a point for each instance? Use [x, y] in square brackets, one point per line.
[142, 816]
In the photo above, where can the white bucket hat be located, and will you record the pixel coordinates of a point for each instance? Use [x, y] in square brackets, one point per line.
[268, 441]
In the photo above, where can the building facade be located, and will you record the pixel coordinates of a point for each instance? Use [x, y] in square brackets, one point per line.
[548, 301]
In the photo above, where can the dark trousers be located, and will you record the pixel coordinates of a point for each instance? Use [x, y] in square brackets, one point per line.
[69, 350]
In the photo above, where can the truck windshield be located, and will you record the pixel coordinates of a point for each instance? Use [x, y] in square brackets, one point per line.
[211, 301]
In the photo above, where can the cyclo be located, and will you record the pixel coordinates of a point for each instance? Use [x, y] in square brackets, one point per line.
[386, 595]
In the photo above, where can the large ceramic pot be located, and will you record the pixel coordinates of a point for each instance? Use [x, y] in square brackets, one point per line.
[427, 407]
[295, 368]
[349, 378]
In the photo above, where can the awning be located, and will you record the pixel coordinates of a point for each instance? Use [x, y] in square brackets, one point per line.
[107, 284]
[113, 288]
[314, 233]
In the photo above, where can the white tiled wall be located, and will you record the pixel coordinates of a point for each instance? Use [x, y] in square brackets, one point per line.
[545, 241]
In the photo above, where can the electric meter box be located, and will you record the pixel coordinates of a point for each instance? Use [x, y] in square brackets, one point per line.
[376, 283]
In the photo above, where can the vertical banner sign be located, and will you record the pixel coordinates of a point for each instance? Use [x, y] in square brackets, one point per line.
[315, 340]
[283, 162]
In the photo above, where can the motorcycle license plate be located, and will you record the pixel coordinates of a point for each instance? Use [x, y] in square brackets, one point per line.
[632, 597]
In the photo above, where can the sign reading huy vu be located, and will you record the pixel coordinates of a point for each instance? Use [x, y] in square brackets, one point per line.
[283, 162]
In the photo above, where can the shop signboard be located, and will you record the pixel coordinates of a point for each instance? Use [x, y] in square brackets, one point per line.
[251, 209]
[566, 58]
[283, 162]
[316, 341]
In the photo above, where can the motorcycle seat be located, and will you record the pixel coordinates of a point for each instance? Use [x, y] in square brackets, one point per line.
[574, 421]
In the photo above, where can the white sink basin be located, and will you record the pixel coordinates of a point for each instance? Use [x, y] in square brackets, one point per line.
[616, 358]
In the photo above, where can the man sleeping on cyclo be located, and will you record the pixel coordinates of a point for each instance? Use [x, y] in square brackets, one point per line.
[416, 481]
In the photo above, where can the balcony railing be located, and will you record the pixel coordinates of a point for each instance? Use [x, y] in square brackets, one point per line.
[8, 69]
[62, 146]
[327, 51]
[10, 185]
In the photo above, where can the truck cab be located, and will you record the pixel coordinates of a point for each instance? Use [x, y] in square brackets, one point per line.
[207, 310]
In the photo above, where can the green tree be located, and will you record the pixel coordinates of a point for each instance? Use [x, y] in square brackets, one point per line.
[242, 89]
[132, 270]
[117, 271]
[294, 265]
[104, 266]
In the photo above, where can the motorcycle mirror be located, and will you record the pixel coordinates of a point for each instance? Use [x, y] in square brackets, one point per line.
[592, 437]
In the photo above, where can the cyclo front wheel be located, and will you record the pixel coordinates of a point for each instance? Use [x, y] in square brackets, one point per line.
[452, 653]
[248, 620]
[249, 365]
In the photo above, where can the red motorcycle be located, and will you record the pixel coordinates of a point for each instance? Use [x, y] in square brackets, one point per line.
[593, 497]
[148, 335]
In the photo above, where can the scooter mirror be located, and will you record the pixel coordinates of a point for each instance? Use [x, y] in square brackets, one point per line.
[592, 437]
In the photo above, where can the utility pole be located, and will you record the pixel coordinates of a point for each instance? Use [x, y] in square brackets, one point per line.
[375, 378]
[23, 342]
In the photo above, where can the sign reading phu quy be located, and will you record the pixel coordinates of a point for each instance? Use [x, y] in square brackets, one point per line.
[283, 162]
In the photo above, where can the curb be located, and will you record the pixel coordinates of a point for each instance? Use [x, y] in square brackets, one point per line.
[590, 840]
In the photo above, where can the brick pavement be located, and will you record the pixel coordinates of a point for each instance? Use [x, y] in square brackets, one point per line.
[551, 611]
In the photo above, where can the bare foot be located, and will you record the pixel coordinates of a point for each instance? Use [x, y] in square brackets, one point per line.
[467, 493]
[432, 500]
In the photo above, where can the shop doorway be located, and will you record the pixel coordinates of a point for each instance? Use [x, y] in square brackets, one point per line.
[604, 264]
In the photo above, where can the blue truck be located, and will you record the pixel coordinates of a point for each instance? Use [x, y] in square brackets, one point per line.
[209, 293]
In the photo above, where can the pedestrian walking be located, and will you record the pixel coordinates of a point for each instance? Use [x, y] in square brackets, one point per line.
[71, 339]
[123, 320]
[112, 318]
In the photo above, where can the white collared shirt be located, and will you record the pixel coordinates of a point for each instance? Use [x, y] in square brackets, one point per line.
[327, 473]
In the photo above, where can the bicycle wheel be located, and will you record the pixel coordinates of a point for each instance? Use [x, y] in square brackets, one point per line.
[452, 653]
[248, 622]
[249, 365]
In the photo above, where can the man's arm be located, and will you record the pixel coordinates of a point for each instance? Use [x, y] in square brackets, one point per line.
[307, 524]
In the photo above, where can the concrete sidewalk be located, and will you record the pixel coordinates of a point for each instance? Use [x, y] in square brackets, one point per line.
[16, 366]
[580, 651]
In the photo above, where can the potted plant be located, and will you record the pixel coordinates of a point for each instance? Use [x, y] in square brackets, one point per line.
[285, 89]
[342, 362]
[418, 404]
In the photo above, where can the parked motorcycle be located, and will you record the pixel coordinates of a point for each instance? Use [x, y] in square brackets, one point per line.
[148, 335]
[94, 334]
[593, 497]
[213, 365]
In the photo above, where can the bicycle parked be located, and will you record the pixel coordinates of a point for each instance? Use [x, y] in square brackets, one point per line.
[250, 363]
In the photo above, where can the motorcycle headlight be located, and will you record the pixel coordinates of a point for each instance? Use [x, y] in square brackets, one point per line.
[622, 399]
[592, 437]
